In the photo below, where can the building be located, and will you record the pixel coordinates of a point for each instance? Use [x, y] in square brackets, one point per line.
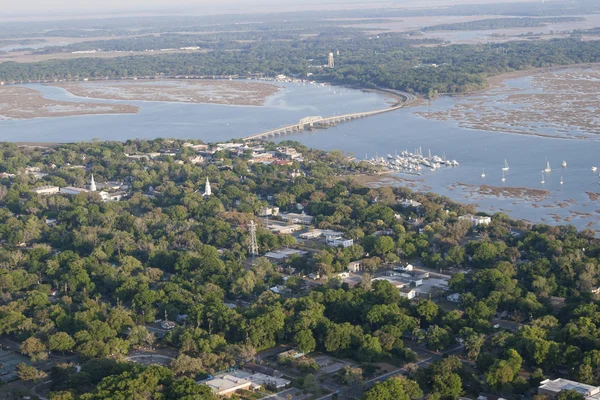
[92, 184]
[406, 203]
[331, 61]
[552, 388]
[343, 275]
[354, 266]
[289, 153]
[312, 234]
[595, 290]
[227, 385]
[336, 242]
[285, 229]
[268, 211]
[46, 190]
[70, 190]
[261, 369]
[408, 293]
[295, 218]
[476, 219]
[453, 298]
[282, 255]
[207, 189]
[112, 196]
[404, 268]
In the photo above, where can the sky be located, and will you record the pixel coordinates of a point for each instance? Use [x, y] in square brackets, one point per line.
[100, 7]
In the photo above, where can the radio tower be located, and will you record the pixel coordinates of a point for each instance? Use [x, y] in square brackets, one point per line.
[253, 243]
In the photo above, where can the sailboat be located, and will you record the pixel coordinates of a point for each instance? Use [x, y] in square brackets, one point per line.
[505, 168]
[483, 173]
[564, 164]
[503, 178]
[548, 169]
[561, 180]
[543, 181]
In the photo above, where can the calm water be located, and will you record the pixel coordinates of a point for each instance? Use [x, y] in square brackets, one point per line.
[208, 122]
[383, 134]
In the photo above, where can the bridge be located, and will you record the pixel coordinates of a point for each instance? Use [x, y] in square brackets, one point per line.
[326, 122]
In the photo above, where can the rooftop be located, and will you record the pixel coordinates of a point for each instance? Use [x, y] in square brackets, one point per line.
[558, 385]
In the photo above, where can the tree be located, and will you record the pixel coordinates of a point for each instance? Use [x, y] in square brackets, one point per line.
[570, 394]
[426, 309]
[35, 349]
[383, 245]
[29, 373]
[186, 365]
[311, 384]
[305, 341]
[396, 388]
[438, 338]
[61, 341]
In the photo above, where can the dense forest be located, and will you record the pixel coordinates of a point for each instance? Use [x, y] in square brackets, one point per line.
[501, 23]
[85, 278]
[389, 61]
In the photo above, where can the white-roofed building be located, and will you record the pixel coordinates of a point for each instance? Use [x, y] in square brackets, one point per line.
[552, 388]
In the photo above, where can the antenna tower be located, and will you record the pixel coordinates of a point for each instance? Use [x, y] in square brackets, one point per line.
[253, 243]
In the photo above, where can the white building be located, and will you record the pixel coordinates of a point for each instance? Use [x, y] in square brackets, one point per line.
[476, 219]
[228, 385]
[552, 388]
[410, 203]
[285, 229]
[70, 190]
[268, 211]
[335, 242]
[454, 297]
[408, 293]
[92, 184]
[295, 218]
[46, 190]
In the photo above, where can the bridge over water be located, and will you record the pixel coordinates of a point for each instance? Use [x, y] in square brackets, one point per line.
[325, 122]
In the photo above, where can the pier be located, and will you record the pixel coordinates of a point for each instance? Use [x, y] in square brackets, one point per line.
[317, 122]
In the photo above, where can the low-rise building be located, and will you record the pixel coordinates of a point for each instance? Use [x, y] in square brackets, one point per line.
[282, 255]
[335, 242]
[407, 203]
[285, 229]
[552, 388]
[296, 218]
[227, 385]
[268, 211]
[354, 266]
[454, 297]
[476, 219]
[74, 191]
[46, 190]
[408, 293]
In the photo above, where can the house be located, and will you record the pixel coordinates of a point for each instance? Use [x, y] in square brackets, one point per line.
[46, 190]
[341, 242]
[279, 289]
[314, 276]
[454, 297]
[476, 219]
[404, 268]
[293, 353]
[343, 275]
[255, 368]
[295, 218]
[410, 281]
[312, 234]
[406, 203]
[408, 293]
[227, 385]
[268, 211]
[354, 266]
[393, 280]
[595, 290]
[552, 388]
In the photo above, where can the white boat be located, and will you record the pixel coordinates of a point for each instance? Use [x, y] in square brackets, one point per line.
[594, 169]
[503, 178]
[564, 164]
[506, 167]
[543, 181]
[483, 173]
[548, 169]
[561, 180]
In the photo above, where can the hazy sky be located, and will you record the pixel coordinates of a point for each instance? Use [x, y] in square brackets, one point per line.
[66, 7]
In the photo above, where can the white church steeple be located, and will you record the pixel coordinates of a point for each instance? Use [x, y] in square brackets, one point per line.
[207, 190]
[92, 184]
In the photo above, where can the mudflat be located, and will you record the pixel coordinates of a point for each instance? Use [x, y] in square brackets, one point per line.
[553, 103]
[17, 102]
[240, 93]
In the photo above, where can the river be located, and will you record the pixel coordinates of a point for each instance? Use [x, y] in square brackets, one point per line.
[383, 134]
